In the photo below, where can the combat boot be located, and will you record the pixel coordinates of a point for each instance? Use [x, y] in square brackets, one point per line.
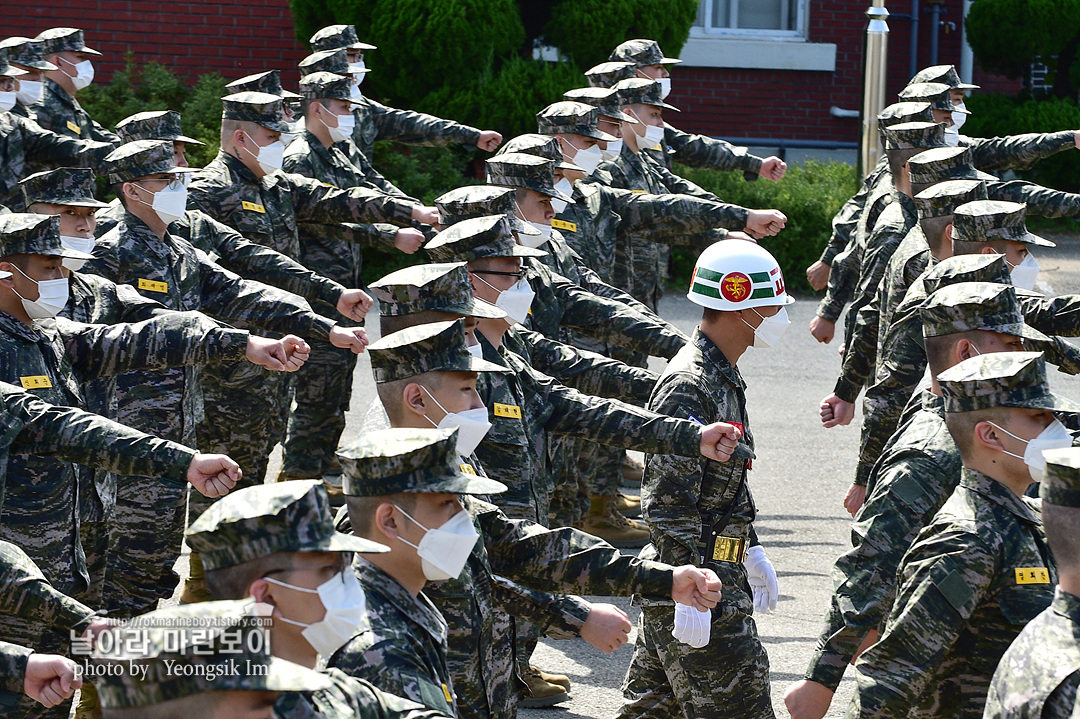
[628, 505]
[541, 693]
[334, 484]
[632, 471]
[195, 589]
[89, 706]
[605, 522]
[558, 679]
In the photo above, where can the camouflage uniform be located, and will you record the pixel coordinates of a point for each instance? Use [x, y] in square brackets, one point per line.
[975, 575]
[1040, 671]
[25, 54]
[59, 111]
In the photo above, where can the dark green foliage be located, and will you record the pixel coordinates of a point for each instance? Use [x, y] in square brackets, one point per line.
[810, 194]
[425, 172]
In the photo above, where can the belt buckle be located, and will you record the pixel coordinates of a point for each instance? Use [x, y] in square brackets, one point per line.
[729, 549]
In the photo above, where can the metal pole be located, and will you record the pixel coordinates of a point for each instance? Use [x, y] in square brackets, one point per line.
[935, 26]
[913, 54]
[874, 67]
[967, 59]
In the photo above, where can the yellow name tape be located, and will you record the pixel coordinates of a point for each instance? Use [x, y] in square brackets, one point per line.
[507, 410]
[564, 225]
[253, 206]
[153, 285]
[74, 128]
[467, 469]
[446, 693]
[35, 382]
[638, 192]
[1032, 575]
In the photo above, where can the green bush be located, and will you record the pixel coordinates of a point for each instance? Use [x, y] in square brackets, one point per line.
[424, 172]
[810, 194]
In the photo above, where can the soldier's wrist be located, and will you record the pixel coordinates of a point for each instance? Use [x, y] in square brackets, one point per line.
[846, 390]
[752, 163]
[826, 669]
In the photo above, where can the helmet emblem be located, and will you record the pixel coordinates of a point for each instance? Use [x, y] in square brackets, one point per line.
[735, 287]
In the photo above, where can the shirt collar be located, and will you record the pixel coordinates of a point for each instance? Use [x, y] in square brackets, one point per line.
[418, 609]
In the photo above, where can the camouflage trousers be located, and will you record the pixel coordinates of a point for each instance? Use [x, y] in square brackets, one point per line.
[727, 678]
[95, 542]
[321, 391]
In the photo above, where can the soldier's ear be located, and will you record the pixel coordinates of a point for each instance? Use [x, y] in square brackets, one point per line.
[412, 399]
[988, 436]
[385, 522]
[949, 232]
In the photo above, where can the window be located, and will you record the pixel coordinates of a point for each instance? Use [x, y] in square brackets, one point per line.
[751, 17]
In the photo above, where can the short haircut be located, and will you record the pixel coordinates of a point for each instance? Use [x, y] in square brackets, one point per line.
[899, 158]
[306, 104]
[233, 582]
[390, 392]
[521, 194]
[934, 229]
[388, 324]
[963, 247]
[204, 704]
[962, 426]
[1062, 525]
[362, 510]
[19, 259]
[938, 349]
[228, 127]
[482, 263]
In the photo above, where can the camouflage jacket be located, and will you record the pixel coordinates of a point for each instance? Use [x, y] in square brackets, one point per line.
[976, 574]
[910, 482]
[846, 220]
[708, 152]
[52, 358]
[401, 648]
[23, 142]
[1016, 152]
[375, 121]
[25, 593]
[640, 265]
[62, 113]
[349, 698]
[682, 497]
[1040, 671]
[525, 405]
[13, 659]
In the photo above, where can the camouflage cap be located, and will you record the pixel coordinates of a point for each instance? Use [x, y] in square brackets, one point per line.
[540, 145]
[32, 234]
[944, 74]
[326, 86]
[641, 91]
[641, 52]
[990, 220]
[1061, 483]
[154, 125]
[259, 107]
[607, 74]
[133, 160]
[966, 268]
[333, 37]
[944, 163]
[529, 172]
[902, 112]
[942, 199]
[915, 135]
[268, 82]
[1001, 379]
[605, 99]
[189, 649]
[254, 522]
[64, 39]
[335, 61]
[478, 237]
[970, 306]
[443, 287]
[465, 203]
[936, 93]
[389, 461]
[7, 69]
[572, 117]
[68, 186]
[26, 52]
[432, 347]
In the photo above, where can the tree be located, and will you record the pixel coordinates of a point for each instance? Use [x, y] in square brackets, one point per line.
[1047, 31]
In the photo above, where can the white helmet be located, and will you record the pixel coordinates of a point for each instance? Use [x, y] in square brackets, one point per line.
[736, 275]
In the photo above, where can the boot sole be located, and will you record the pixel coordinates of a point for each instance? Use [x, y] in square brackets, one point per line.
[541, 702]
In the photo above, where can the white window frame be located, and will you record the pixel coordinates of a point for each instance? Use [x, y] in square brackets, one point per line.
[796, 35]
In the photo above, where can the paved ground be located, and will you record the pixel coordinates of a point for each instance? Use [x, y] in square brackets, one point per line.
[798, 482]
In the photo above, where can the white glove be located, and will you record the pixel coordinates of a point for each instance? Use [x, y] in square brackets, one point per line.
[691, 626]
[762, 578]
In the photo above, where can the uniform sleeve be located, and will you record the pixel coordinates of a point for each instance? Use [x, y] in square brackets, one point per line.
[671, 218]
[315, 202]
[48, 148]
[1051, 315]
[134, 307]
[374, 703]
[841, 285]
[588, 372]
[860, 353]
[710, 153]
[1041, 201]
[943, 578]
[558, 616]
[680, 185]
[13, 660]
[25, 593]
[376, 235]
[1017, 152]
[672, 339]
[416, 128]
[843, 225]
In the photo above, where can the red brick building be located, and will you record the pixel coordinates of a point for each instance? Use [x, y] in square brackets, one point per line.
[761, 69]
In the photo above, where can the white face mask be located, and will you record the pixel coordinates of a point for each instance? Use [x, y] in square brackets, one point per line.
[31, 92]
[354, 91]
[587, 159]
[534, 241]
[52, 296]
[614, 149]
[84, 73]
[357, 70]
[269, 157]
[472, 425]
[959, 117]
[564, 186]
[7, 100]
[476, 351]
[79, 244]
[445, 550]
[665, 87]
[771, 329]
[515, 302]
[170, 204]
[1055, 436]
[652, 137]
[1024, 274]
[345, 604]
[952, 137]
[343, 129]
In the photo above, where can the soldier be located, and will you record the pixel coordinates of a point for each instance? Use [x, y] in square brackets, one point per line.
[29, 56]
[59, 110]
[702, 512]
[692, 150]
[322, 392]
[1039, 673]
[916, 474]
[375, 121]
[980, 569]
[212, 660]
[158, 125]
